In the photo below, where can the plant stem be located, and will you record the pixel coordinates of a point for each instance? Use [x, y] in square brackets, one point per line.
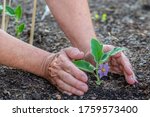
[33, 23]
[96, 75]
[3, 17]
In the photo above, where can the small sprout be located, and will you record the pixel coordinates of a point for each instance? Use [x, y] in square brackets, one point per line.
[96, 17]
[15, 13]
[19, 29]
[104, 17]
[100, 57]
[10, 11]
[18, 13]
[1, 8]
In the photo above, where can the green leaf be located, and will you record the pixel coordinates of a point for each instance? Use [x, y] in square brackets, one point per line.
[105, 57]
[18, 13]
[19, 29]
[111, 53]
[10, 11]
[1, 8]
[96, 17]
[96, 50]
[84, 65]
[117, 50]
[104, 17]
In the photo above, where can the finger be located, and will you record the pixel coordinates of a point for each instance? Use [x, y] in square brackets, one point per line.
[113, 61]
[88, 57]
[130, 78]
[108, 48]
[117, 55]
[126, 68]
[68, 93]
[69, 79]
[123, 60]
[65, 87]
[65, 92]
[116, 69]
[69, 67]
[74, 53]
[124, 65]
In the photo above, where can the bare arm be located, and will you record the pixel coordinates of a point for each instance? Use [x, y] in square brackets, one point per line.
[18, 54]
[56, 68]
[74, 18]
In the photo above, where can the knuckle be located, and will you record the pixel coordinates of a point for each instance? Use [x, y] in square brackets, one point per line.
[61, 59]
[77, 84]
[64, 77]
[69, 68]
[71, 50]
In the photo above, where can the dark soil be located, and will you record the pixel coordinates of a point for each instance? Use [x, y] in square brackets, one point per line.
[128, 25]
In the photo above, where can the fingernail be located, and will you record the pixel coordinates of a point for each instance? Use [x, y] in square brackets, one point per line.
[81, 52]
[76, 51]
[67, 93]
[134, 79]
[84, 77]
[79, 93]
[84, 88]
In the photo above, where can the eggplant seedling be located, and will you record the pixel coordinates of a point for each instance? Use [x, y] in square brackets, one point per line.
[100, 57]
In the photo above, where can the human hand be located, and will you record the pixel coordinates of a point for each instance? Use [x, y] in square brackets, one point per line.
[118, 63]
[62, 73]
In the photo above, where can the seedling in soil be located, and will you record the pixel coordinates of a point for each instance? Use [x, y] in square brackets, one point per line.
[96, 17]
[100, 57]
[16, 13]
[104, 17]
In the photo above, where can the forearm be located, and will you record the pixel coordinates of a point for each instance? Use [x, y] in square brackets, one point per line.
[17, 54]
[74, 18]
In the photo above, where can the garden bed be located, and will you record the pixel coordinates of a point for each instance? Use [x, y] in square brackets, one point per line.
[128, 25]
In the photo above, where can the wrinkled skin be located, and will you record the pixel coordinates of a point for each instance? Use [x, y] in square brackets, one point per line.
[120, 64]
[62, 73]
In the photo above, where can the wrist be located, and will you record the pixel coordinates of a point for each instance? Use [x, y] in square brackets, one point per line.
[47, 61]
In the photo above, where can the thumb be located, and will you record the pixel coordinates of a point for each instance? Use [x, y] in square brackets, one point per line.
[74, 53]
[108, 48]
